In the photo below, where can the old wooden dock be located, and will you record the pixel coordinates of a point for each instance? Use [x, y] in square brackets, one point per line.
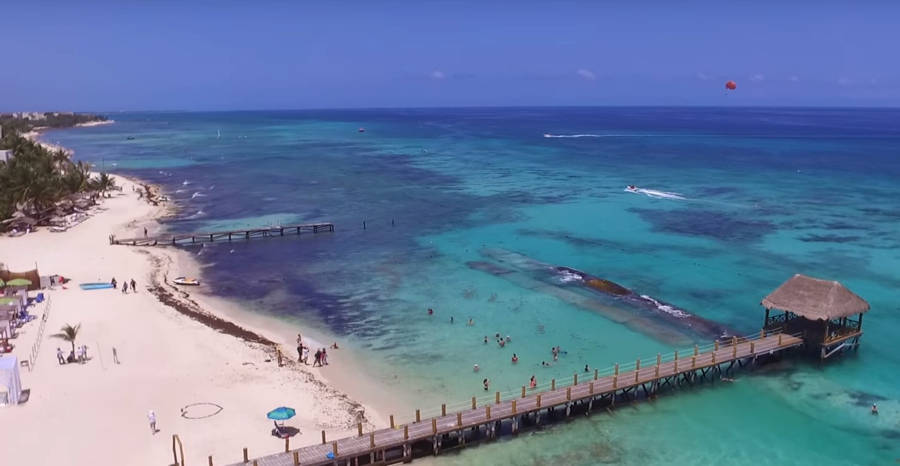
[183, 239]
[504, 413]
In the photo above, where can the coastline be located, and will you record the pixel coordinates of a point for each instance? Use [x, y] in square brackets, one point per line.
[176, 322]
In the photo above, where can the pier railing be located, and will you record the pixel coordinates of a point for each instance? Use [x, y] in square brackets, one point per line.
[683, 355]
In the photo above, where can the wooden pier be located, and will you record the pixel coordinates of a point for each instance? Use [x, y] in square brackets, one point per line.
[185, 239]
[500, 414]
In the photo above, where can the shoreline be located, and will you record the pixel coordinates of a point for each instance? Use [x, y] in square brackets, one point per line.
[333, 410]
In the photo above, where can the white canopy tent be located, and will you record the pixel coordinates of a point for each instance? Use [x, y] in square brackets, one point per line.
[9, 379]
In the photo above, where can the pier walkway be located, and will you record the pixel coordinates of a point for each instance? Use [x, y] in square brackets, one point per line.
[503, 413]
[184, 239]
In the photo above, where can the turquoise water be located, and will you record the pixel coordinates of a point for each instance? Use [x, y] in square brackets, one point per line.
[469, 212]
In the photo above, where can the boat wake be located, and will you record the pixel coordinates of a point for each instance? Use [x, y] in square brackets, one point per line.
[668, 309]
[197, 194]
[656, 194]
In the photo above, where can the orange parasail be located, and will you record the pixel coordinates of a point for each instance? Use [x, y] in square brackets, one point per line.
[731, 85]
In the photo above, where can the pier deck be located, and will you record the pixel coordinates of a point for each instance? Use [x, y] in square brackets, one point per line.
[395, 444]
[184, 239]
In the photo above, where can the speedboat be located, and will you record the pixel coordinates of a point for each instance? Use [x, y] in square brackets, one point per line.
[631, 188]
[186, 281]
[361, 130]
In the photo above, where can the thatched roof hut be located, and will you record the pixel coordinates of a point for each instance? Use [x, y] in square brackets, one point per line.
[815, 299]
[826, 314]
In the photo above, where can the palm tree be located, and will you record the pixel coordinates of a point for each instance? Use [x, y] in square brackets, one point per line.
[68, 333]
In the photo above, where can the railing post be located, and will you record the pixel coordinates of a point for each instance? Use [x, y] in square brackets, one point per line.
[473, 402]
[323, 438]
[616, 372]
[497, 397]
[372, 439]
[418, 416]
[523, 391]
[459, 419]
[553, 384]
[658, 359]
[433, 426]
[779, 339]
[210, 460]
[334, 449]
[245, 455]
[716, 344]
[359, 428]
[762, 333]
[487, 411]
[539, 400]
[713, 357]
[568, 393]
[591, 388]
[287, 444]
[297, 458]
[574, 379]
[676, 366]
[405, 431]
[734, 351]
[596, 374]
[514, 406]
[752, 348]
[696, 350]
[637, 370]
[615, 381]
[443, 409]
[693, 362]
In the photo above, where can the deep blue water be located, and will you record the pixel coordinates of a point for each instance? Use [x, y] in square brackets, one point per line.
[467, 210]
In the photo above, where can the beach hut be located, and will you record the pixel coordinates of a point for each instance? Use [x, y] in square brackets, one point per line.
[826, 314]
[9, 380]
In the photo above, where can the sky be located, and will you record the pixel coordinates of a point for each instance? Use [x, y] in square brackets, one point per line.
[223, 55]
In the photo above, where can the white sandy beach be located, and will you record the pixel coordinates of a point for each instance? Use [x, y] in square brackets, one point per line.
[96, 413]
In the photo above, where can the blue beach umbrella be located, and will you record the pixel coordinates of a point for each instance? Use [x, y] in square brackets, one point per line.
[281, 413]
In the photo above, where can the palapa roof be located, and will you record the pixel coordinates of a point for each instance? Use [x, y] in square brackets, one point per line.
[815, 299]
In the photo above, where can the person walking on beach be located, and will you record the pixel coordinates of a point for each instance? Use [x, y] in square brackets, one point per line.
[60, 357]
[151, 416]
[113, 282]
[299, 339]
[125, 288]
[305, 357]
[324, 357]
[318, 361]
[115, 355]
[133, 286]
[299, 352]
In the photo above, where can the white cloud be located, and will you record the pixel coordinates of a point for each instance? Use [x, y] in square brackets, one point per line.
[437, 74]
[587, 74]
[794, 79]
[702, 76]
[758, 77]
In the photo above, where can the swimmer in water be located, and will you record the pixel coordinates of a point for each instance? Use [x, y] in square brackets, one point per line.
[475, 368]
[430, 311]
[486, 384]
[485, 339]
[545, 363]
[874, 409]
[451, 319]
[471, 322]
[508, 339]
[515, 358]
[533, 382]
[497, 335]
[502, 343]
[586, 368]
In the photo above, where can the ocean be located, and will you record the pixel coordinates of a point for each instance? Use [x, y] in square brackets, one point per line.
[489, 215]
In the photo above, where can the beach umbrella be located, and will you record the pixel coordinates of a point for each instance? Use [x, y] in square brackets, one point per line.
[281, 413]
[18, 282]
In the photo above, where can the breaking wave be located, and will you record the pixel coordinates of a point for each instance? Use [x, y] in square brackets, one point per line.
[671, 310]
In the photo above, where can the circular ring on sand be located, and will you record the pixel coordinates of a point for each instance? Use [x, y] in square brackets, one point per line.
[200, 410]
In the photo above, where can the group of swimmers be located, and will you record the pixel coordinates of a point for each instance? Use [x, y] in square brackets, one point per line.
[500, 340]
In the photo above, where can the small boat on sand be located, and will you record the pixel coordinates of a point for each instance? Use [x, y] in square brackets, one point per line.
[186, 281]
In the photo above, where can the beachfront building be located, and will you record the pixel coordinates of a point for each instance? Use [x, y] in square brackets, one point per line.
[826, 314]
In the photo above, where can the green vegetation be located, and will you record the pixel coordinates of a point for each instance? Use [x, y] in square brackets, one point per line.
[68, 333]
[14, 122]
[35, 181]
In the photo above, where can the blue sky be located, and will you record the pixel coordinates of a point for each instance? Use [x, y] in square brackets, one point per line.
[192, 55]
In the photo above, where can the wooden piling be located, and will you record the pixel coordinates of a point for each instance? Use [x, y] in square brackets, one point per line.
[523, 391]
[514, 406]
[779, 339]
[323, 438]
[538, 400]
[245, 454]
[443, 409]
[418, 416]
[487, 411]
[473, 402]
[392, 427]
[568, 393]
[591, 388]
[211, 463]
[596, 374]
[497, 398]
[553, 384]
[433, 426]
[405, 431]
[459, 419]
[296, 458]
[372, 440]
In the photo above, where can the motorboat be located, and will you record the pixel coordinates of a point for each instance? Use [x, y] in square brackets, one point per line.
[631, 188]
[361, 130]
[186, 281]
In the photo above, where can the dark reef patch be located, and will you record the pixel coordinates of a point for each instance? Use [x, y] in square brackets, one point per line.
[718, 225]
